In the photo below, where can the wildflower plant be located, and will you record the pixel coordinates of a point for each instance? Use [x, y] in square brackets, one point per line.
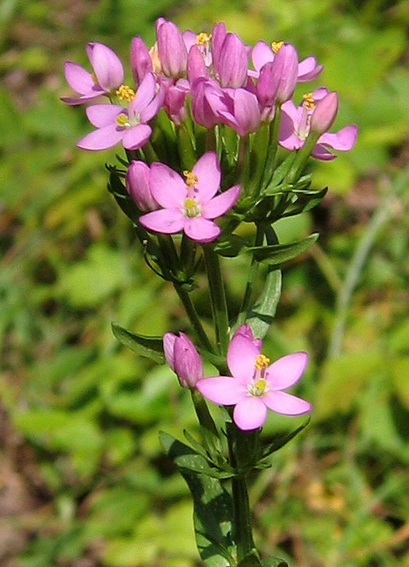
[214, 141]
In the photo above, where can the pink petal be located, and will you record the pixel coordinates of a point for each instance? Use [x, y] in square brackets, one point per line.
[107, 66]
[241, 356]
[145, 92]
[101, 139]
[261, 54]
[169, 349]
[221, 390]
[154, 106]
[343, 140]
[221, 203]
[167, 186]
[78, 78]
[103, 114]
[207, 170]
[201, 230]
[308, 69]
[285, 404]
[80, 99]
[285, 371]
[165, 221]
[135, 137]
[250, 413]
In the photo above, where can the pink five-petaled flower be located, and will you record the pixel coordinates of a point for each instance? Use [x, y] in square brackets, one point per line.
[255, 385]
[115, 123]
[183, 358]
[106, 78]
[189, 204]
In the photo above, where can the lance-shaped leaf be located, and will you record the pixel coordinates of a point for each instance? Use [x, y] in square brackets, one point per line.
[280, 441]
[262, 314]
[276, 254]
[150, 347]
[306, 200]
[213, 508]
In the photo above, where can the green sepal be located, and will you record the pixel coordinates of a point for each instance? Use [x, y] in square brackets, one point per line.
[150, 347]
[251, 560]
[262, 314]
[213, 507]
[276, 254]
[278, 443]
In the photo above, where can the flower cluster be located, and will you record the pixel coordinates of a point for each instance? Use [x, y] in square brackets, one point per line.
[208, 78]
[254, 386]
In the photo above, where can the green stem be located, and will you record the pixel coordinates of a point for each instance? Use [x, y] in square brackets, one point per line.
[272, 148]
[218, 298]
[245, 304]
[194, 319]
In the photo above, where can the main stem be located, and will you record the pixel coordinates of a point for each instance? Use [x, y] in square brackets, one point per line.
[218, 299]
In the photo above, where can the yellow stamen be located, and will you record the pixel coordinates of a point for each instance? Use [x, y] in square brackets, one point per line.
[154, 54]
[275, 46]
[261, 362]
[308, 101]
[191, 178]
[125, 93]
[202, 38]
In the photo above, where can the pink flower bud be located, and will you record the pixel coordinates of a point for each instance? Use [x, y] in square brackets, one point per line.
[285, 69]
[207, 99]
[141, 62]
[137, 185]
[171, 48]
[183, 358]
[230, 64]
[324, 113]
[196, 66]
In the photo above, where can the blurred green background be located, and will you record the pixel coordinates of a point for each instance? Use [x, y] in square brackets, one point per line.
[83, 482]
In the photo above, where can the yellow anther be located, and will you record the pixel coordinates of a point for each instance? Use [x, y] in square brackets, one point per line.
[191, 178]
[308, 101]
[154, 54]
[275, 46]
[125, 93]
[202, 38]
[261, 362]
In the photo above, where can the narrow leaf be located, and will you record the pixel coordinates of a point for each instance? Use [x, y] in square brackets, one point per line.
[276, 254]
[150, 347]
[262, 314]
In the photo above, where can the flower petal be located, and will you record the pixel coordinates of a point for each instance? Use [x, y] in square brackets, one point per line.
[261, 54]
[241, 356]
[285, 404]
[169, 349]
[201, 230]
[285, 371]
[167, 186]
[78, 78]
[145, 92]
[103, 114]
[207, 170]
[101, 139]
[221, 203]
[106, 65]
[343, 140]
[135, 137]
[222, 390]
[308, 69]
[164, 221]
[250, 413]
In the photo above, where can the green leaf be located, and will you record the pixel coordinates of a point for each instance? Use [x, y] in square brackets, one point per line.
[212, 505]
[280, 441]
[230, 245]
[274, 562]
[262, 314]
[150, 347]
[276, 254]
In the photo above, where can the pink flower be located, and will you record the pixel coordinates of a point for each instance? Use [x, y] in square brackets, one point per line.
[172, 51]
[278, 78]
[241, 111]
[263, 53]
[230, 63]
[189, 204]
[295, 125]
[183, 358]
[255, 385]
[137, 185]
[115, 123]
[106, 78]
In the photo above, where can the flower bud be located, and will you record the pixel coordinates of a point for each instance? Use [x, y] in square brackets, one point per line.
[207, 100]
[171, 48]
[137, 185]
[285, 69]
[231, 63]
[324, 113]
[183, 358]
[141, 62]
